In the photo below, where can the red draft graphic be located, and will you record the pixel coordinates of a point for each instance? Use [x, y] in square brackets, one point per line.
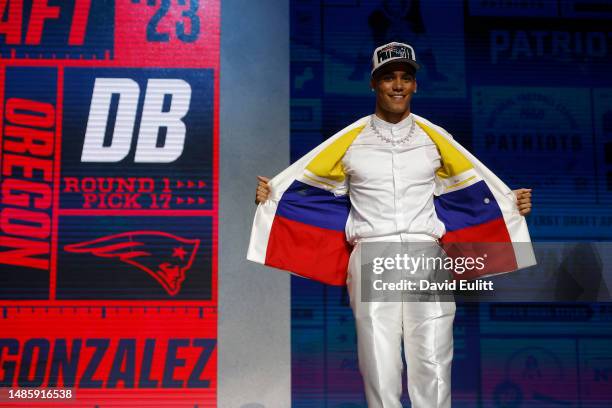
[164, 256]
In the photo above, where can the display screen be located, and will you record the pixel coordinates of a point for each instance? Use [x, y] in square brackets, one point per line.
[108, 213]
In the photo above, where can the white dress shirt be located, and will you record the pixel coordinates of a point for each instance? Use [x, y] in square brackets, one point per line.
[391, 187]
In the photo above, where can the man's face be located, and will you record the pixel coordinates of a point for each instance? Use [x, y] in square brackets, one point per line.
[394, 86]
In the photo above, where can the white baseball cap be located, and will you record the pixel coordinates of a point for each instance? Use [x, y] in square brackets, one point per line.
[393, 52]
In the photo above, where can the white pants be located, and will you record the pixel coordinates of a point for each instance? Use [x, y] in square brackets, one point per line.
[426, 329]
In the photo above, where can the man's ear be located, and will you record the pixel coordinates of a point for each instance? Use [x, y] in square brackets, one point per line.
[416, 86]
[373, 84]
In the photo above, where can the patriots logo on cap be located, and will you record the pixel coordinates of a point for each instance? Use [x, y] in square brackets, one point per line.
[393, 52]
[164, 256]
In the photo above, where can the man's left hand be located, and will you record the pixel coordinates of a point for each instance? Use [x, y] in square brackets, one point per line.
[523, 200]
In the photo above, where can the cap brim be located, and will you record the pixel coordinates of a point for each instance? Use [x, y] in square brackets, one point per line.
[407, 61]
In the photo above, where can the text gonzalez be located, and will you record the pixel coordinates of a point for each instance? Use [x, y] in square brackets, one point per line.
[413, 264]
[106, 362]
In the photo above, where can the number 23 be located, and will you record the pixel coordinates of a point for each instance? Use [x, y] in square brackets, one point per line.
[191, 14]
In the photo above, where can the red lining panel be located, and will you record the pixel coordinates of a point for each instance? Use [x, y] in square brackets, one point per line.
[492, 231]
[491, 238]
[312, 252]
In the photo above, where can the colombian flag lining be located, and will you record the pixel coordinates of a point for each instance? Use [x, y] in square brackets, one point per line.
[300, 229]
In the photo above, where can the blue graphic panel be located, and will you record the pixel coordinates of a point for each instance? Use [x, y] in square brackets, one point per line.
[352, 31]
[552, 136]
[524, 85]
[93, 93]
[30, 105]
[135, 258]
[602, 111]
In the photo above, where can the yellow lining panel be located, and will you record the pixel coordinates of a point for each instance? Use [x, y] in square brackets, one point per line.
[328, 163]
[453, 161]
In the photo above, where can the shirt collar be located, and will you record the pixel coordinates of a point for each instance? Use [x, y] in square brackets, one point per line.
[381, 124]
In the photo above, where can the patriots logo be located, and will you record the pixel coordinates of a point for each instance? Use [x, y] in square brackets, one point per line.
[164, 256]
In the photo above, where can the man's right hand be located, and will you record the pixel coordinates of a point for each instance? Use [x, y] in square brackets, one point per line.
[263, 191]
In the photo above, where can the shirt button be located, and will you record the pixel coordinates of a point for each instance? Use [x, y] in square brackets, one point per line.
[486, 200]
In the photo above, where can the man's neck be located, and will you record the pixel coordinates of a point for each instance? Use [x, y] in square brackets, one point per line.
[391, 117]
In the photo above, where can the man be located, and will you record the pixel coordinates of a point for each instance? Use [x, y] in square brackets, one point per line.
[392, 177]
